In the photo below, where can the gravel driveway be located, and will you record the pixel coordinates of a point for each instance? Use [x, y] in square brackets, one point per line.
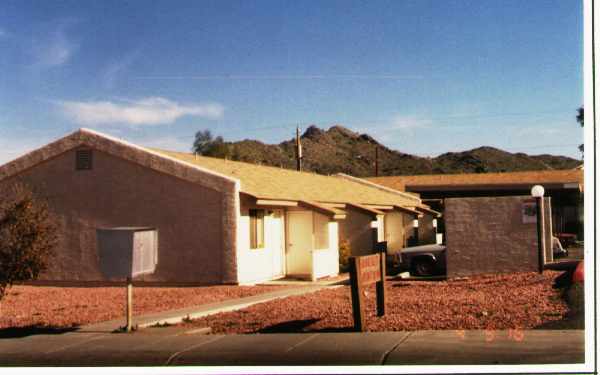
[524, 301]
[72, 306]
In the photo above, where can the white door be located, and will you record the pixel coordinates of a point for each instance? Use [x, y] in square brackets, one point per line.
[277, 247]
[299, 243]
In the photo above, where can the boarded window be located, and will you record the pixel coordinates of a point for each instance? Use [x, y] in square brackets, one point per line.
[257, 229]
[321, 229]
[83, 160]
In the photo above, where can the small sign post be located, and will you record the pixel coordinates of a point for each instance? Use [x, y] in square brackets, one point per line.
[129, 326]
[364, 271]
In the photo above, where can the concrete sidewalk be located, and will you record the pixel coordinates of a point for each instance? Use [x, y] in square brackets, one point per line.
[175, 346]
[176, 316]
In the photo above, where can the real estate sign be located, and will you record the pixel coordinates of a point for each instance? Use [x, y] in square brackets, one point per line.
[365, 271]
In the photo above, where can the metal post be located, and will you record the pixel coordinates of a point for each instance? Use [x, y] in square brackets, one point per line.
[129, 305]
[380, 286]
[540, 232]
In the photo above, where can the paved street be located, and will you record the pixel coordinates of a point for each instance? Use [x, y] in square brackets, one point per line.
[179, 346]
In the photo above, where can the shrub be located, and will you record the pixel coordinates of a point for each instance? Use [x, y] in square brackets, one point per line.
[27, 236]
[345, 253]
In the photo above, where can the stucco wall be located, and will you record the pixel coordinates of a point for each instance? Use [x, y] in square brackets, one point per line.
[426, 230]
[257, 265]
[409, 230]
[356, 229]
[394, 230]
[117, 192]
[487, 235]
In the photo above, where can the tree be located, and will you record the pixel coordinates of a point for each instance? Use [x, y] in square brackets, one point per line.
[202, 142]
[205, 144]
[580, 121]
[27, 236]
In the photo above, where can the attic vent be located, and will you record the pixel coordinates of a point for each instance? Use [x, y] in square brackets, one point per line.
[83, 160]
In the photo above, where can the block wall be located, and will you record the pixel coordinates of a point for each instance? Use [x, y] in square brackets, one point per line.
[488, 235]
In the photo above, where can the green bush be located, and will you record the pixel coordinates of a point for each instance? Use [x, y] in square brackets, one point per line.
[27, 236]
[345, 253]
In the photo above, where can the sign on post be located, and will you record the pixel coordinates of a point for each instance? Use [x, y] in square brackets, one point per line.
[127, 252]
[365, 271]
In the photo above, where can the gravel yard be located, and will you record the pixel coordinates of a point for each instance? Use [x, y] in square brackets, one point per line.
[522, 301]
[72, 306]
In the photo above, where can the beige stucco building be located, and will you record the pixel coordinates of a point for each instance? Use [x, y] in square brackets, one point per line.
[217, 221]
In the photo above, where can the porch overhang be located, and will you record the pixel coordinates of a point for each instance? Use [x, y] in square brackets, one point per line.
[369, 210]
[333, 213]
[276, 202]
[409, 211]
[429, 211]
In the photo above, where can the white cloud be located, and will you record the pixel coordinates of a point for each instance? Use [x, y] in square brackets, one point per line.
[117, 67]
[401, 122]
[540, 131]
[55, 47]
[147, 111]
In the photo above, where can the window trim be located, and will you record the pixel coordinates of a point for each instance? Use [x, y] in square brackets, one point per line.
[257, 228]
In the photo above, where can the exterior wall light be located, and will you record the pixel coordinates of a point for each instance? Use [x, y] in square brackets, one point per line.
[537, 191]
[434, 223]
[415, 223]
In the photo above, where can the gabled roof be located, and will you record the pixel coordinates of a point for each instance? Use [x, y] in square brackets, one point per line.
[264, 182]
[261, 182]
[528, 178]
[125, 150]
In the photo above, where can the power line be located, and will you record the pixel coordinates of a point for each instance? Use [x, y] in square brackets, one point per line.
[283, 77]
[387, 122]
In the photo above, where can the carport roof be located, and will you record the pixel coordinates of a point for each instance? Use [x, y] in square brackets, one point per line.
[554, 178]
[265, 182]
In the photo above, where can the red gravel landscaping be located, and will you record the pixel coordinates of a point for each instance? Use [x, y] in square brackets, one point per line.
[522, 301]
[73, 306]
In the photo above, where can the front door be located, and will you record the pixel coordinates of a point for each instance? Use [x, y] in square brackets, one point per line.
[299, 243]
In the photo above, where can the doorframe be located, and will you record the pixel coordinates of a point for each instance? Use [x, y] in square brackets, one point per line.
[283, 248]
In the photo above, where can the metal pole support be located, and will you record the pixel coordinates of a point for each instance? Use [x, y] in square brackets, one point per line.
[380, 286]
[540, 232]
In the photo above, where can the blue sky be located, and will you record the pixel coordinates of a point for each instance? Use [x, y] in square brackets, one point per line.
[423, 77]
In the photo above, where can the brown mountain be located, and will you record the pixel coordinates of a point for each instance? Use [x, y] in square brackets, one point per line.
[339, 149]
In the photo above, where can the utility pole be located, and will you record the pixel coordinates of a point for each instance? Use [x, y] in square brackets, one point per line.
[298, 150]
[376, 160]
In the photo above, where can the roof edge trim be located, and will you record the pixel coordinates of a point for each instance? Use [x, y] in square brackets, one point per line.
[158, 154]
[377, 186]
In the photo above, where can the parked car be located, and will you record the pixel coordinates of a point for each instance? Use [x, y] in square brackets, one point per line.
[424, 260]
